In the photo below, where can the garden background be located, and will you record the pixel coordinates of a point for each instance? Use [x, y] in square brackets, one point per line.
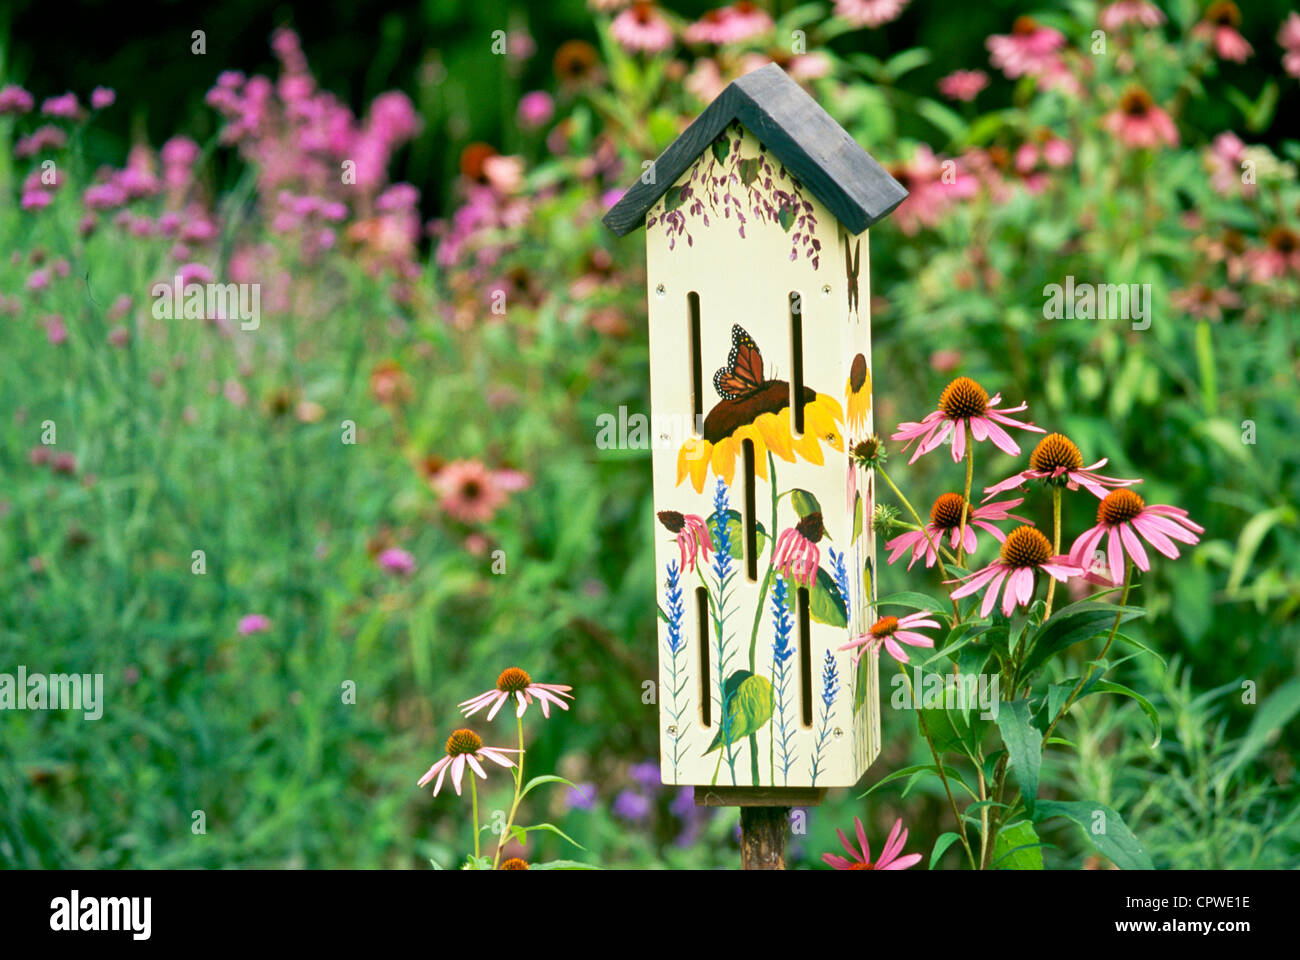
[475, 427]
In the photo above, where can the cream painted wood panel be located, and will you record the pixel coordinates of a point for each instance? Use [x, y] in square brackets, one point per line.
[740, 235]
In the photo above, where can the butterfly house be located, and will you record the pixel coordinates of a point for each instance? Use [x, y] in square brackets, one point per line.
[756, 221]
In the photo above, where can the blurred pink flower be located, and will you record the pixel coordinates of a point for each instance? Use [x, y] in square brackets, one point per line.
[56, 331]
[64, 107]
[102, 97]
[35, 200]
[1219, 26]
[1279, 255]
[1288, 37]
[536, 108]
[468, 491]
[1223, 158]
[253, 623]
[1115, 15]
[1137, 122]
[963, 85]
[398, 561]
[1030, 48]
[734, 24]
[42, 138]
[869, 13]
[14, 99]
[933, 185]
[1204, 302]
[642, 28]
[38, 280]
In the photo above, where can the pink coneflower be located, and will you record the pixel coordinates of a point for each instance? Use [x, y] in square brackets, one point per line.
[468, 491]
[253, 623]
[933, 186]
[889, 632]
[1288, 38]
[48, 137]
[1115, 15]
[1204, 302]
[1138, 122]
[102, 97]
[515, 684]
[964, 403]
[797, 555]
[398, 561]
[642, 28]
[945, 523]
[734, 24]
[56, 331]
[35, 200]
[1121, 516]
[14, 99]
[963, 85]
[536, 108]
[1224, 158]
[465, 749]
[1030, 48]
[1057, 460]
[38, 280]
[869, 13]
[1280, 254]
[1219, 25]
[64, 107]
[692, 536]
[889, 856]
[1024, 551]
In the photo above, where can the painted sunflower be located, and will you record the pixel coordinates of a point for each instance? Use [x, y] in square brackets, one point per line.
[761, 416]
[857, 393]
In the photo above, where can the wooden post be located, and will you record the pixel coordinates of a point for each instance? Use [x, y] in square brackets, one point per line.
[764, 818]
[762, 837]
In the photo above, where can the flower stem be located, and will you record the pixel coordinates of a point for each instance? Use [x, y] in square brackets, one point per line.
[1056, 547]
[473, 800]
[514, 806]
[965, 497]
[937, 548]
[1084, 680]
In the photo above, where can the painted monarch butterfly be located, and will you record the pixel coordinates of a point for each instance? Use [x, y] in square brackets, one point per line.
[743, 373]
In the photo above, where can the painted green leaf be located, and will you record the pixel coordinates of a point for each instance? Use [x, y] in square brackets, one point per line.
[1024, 745]
[1104, 828]
[804, 503]
[748, 704]
[1017, 848]
[857, 517]
[913, 599]
[825, 604]
[721, 147]
[786, 217]
[736, 533]
[748, 170]
[673, 198]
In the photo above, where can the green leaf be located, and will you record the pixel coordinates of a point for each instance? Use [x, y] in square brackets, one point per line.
[804, 503]
[917, 768]
[905, 62]
[748, 170]
[547, 778]
[785, 216]
[521, 833]
[1017, 847]
[1071, 624]
[941, 845]
[736, 533]
[1104, 828]
[747, 706]
[563, 865]
[672, 199]
[917, 601]
[857, 518]
[825, 604]
[721, 147]
[1024, 748]
[950, 731]
[1109, 686]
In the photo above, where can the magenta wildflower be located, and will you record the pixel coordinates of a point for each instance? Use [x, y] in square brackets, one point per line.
[1024, 551]
[398, 561]
[102, 97]
[254, 623]
[889, 855]
[1121, 516]
[64, 107]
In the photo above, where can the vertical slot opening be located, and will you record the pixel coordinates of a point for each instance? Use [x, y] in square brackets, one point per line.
[697, 368]
[702, 635]
[751, 512]
[796, 362]
[805, 658]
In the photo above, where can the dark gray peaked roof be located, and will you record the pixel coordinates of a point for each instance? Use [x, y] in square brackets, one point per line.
[813, 147]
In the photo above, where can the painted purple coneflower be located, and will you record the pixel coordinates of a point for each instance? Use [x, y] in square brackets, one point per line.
[1025, 550]
[1057, 460]
[465, 749]
[797, 554]
[889, 855]
[692, 536]
[1121, 516]
[889, 632]
[515, 684]
[964, 403]
[945, 522]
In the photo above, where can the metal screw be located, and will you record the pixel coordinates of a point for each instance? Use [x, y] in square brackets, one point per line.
[672, 730]
[837, 732]
[826, 290]
[661, 290]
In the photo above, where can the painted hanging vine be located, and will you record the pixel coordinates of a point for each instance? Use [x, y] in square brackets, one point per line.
[724, 183]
